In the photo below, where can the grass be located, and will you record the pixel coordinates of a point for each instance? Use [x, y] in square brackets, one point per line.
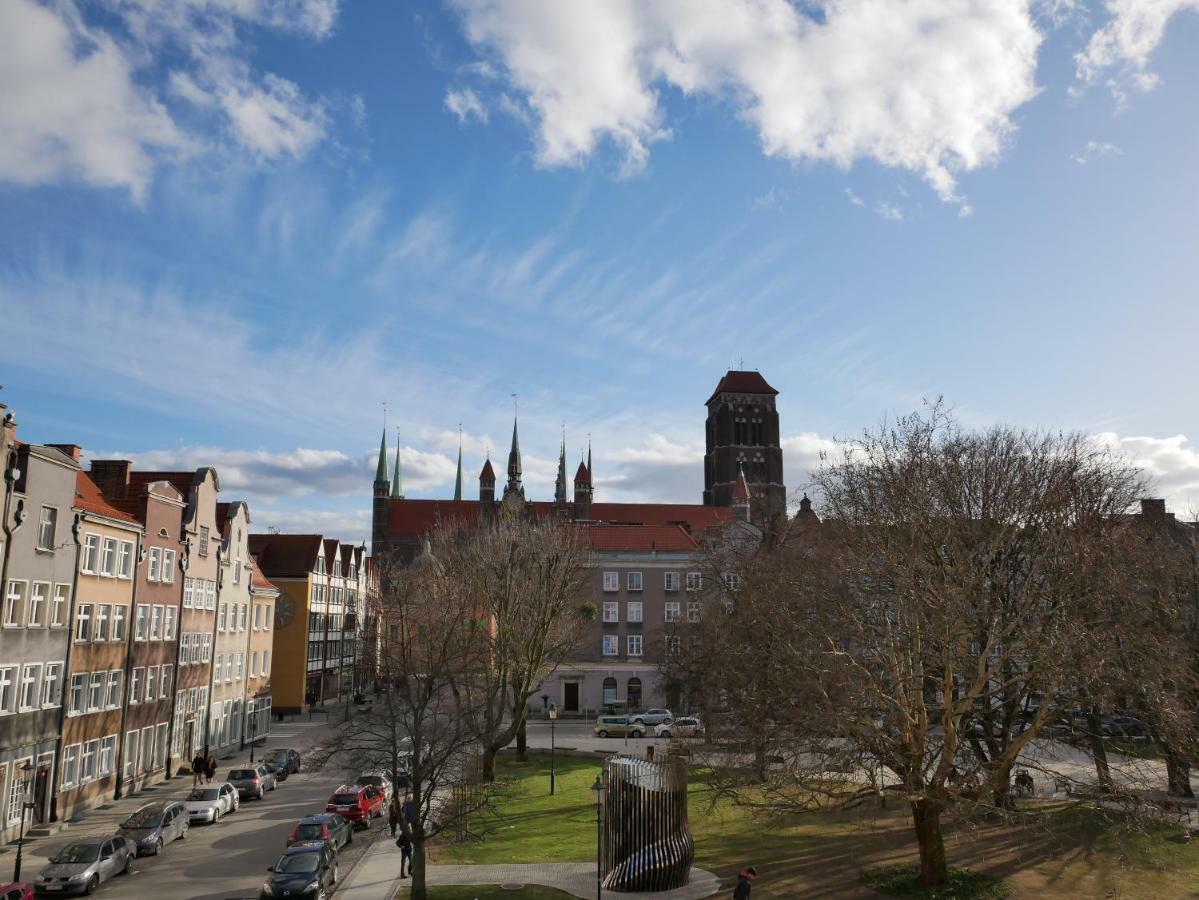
[1050, 850]
[904, 881]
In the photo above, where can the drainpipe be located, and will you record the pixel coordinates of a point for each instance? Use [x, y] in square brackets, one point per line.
[56, 767]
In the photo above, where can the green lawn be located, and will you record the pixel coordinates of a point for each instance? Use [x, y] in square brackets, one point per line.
[1053, 851]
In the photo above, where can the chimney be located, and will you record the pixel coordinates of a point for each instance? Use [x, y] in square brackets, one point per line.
[111, 477]
[1153, 509]
[71, 450]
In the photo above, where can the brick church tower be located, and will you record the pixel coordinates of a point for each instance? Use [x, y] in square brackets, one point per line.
[743, 435]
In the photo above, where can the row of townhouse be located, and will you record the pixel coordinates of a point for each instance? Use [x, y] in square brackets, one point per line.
[135, 629]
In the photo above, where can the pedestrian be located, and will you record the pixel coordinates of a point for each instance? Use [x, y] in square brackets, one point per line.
[210, 768]
[745, 883]
[198, 768]
[406, 810]
[405, 844]
[393, 814]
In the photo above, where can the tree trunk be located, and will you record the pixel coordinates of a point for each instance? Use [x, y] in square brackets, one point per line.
[522, 738]
[418, 891]
[1098, 750]
[1178, 774]
[926, 816]
[489, 754]
[1002, 794]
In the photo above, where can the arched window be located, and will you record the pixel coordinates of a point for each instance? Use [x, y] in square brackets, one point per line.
[634, 693]
[609, 691]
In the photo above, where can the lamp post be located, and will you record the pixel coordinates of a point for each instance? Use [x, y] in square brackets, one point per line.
[597, 791]
[26, 770]
[553, 714]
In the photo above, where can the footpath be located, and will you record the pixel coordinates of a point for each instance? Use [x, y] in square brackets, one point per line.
[299, 734]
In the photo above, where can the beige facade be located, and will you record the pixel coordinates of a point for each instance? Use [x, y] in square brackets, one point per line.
[258, 678]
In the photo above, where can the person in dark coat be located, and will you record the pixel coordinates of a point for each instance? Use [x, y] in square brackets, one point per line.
[198, 767]
[745, 883]
[210, 768]
[393, 814]
[406, 809]
[405, 844]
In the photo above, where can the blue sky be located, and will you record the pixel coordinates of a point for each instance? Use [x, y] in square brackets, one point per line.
[230, 230]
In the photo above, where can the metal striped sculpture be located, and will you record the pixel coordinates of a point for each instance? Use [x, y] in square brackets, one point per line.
[647, 842]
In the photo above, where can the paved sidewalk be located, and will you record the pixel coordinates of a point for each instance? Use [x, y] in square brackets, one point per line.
[377, 875]
[573, 878]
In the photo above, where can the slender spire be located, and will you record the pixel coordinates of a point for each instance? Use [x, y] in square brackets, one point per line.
[381, 468]
[458, 481]
[590, 475]
[514, 453]
[397, 483]
[560, 488]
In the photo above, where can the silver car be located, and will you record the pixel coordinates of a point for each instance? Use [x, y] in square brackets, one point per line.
[652, 717]
[210, 802]
[253, 782]
[155, 825]
[81, 866]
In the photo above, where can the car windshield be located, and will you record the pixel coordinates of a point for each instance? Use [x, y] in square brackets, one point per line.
[77, 853]
[204, 794]
[146, 817]
[298, 863]
[345, 799]
[305, 832]
[370, 779]
[277, 756]
[242, 774]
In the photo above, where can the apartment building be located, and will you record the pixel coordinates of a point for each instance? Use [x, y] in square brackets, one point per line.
[312, 659]
[259, 701]
[97, 656]
[39, 554]
[643, 579]
[231, 650]
[159, 505]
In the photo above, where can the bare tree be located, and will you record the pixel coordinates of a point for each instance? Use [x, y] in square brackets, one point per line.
[900, 645]
[526, 578]
[419, 725]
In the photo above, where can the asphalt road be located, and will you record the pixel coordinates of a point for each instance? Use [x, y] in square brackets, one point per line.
[578, 734]
[225, 861]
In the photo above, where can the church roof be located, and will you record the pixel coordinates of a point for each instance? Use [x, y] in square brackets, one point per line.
[742, 382]
[741, 486]
[640, 537]
[488, 473]
[581, 474]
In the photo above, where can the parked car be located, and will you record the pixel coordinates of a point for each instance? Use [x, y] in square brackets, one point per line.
[210, 802]
[378, 780]
[617, 726]
[82, 866]
[358, 803]
[279, 770]
[18, 890]
[330, 827]
[307, 871]
[253, 782]
[652, 717]
[684, 726]
[155, 825]
[283, 759]
[1123, 727]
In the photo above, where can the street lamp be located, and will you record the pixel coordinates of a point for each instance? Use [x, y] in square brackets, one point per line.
[26, 770]
[553, 714]
[597, 791]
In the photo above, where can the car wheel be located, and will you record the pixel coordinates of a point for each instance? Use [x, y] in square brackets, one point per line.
[335, 873]
[216, 815]
[158, 846]
[92, 884]
[128, 864]
[603, 734]
[349, 837]
[638, 734]
[260, 793]
[183, 833]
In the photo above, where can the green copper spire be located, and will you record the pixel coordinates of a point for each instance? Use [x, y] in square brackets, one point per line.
[458, 480]
[381, 469]
[397, 483]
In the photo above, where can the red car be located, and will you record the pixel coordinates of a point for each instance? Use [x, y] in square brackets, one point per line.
[17, 891]
[356, 802]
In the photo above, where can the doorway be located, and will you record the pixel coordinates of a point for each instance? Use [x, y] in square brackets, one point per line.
[570, 696]
[41, 789]
[633, 692]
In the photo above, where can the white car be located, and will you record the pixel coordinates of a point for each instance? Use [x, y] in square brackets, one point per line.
[378, 780]
[685, 726]
[210, 802]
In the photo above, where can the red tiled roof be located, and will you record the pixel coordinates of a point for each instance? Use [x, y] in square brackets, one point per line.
[285, 555]
[89, 499]
[581, 474]
[739, 382]
[416, 517]
[640, 537]
[488, 473]
[260, 581]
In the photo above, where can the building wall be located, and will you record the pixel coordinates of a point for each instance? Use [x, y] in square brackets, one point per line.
[742, 431]
[197, 619]
[100, 646]
[259, 688]
[35, 643]
[289, 652]
[154, 649]
[232, 634]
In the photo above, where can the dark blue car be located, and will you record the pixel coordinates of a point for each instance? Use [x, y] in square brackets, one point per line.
[305, 871]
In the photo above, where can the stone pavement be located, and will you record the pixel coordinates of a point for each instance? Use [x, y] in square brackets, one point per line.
[573, 878]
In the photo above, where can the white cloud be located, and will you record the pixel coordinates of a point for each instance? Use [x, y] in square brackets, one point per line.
[926, 85]
[71, 108]
[1126, 42]
[890, 212]
[465, 104]
[353, 527]
[272, 118]
[854, 198]
[1095, 150]
[772, 199]
[1172, 463]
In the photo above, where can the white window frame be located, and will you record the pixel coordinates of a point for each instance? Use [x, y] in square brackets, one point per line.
[611, 582]
[42, 542]
[671, 611]
[87, 761]
[70, 766]
[14, 603]
[156, 622]
[188, 591]
[118, 622]
[77, 698]
[695, 581]
[168, 566]
[30, 687]
[154, 568]
[60, 605]
[114, 689]
[222, 616]
[83, 623]
[151, 683]
[670, 581]
[164, 681]
[210, 595]
[135, 685]
[611, 611]
[52, 685]
[693, 608]
[125, 560]
[635, 611]
[168, 623]
[611, 645]
[129, 763]
[89, 558]
[634, 581]
[108, 557]
[100, 622]
[141, 622]
[95, 691]
[38, 605]
[634, 641]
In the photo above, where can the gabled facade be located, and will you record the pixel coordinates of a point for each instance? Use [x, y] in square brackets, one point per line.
[259, 697]
[39, 552]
